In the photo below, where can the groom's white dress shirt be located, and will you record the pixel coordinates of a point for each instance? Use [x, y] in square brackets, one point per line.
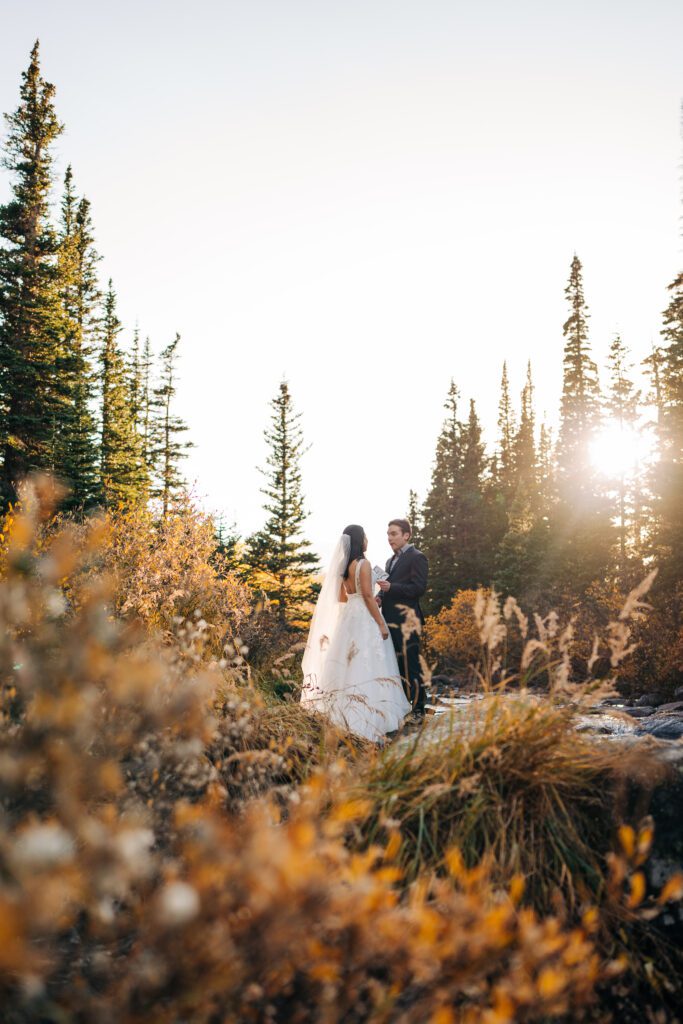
[398, 554]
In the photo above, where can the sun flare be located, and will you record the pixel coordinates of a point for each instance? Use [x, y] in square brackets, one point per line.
[618, 449]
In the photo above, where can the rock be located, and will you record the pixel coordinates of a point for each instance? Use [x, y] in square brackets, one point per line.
[443, 682]
[676, 705]
[650, 700]
[637, 712]
[664, 727]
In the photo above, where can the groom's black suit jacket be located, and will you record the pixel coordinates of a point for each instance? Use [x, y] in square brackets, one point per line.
[408, 581]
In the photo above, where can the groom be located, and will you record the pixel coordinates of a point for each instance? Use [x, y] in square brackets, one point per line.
[407, 569]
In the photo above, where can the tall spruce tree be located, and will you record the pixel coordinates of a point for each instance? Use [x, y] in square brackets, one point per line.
[521, 554]
[279, 557]
[580, 404]
[31, 318]
[439, 528]
[124, 479]
[473, 525]
[146, 406]
[505, 455]
[622, 407]
[546, 471]
[667, 541]
[77, 455]
[581, 533]
[415, 518]
[169, 448]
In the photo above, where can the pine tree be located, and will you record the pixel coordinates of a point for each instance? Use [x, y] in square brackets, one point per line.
[505, 456]
[135, 377]
[146, 406]
[31, 399]
[438, 531]
[623, 408]
[546, 471]
[580, 405]
[169, 448]
[278, 556]
[581, 533]
[415, 518]
[668, 471]
[473, 547]
[122, 472]
[77, 455]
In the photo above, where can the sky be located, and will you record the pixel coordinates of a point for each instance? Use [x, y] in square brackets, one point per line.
[368, 199]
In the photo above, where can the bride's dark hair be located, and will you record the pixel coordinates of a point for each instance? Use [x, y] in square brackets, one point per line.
[357, 534]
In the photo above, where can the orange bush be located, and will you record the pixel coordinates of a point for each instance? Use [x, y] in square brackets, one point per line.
[453, 635]
[139, 881]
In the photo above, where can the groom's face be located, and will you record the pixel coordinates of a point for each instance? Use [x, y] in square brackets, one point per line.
[397, 538]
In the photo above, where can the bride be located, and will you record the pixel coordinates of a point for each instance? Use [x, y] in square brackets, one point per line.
[349, 665]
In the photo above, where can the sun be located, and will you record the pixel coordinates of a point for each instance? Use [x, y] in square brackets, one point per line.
[618, 449]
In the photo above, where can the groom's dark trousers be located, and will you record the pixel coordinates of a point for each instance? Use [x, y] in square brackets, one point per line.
[408, 579]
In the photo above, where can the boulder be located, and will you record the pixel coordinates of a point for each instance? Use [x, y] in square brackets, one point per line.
[676, 705]
[637, 712]
[650, 700]
[662, 727]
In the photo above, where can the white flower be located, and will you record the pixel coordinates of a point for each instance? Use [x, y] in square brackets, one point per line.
[178, 904]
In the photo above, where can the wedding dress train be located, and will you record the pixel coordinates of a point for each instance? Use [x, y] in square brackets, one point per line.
[357, 682]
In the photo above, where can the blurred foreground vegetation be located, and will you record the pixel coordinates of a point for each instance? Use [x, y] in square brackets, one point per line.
[177, 843]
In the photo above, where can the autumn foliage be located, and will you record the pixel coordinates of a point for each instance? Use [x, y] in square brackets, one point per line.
[172, 847]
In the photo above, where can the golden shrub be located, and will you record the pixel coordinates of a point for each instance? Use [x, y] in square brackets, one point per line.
[140, 879]
[453, 635]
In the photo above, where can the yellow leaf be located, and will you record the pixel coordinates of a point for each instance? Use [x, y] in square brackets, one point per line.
[645, 837]
[673, 890]
[444, 1015]
[516, 889]
[627, 838]
[454, 862]
[393, 847]
[550, 982]
[637, 889]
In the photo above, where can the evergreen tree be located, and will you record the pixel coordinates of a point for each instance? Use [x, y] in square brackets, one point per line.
[278, 556]
[505, 455]
[622, 407]
[520, 557]
[438, 531]
[122, 472]
[169, 449]
[146, 406]
[473, 547]
[546, 472]
[668, 471]
[135, 375]
[580, 405]
[414, 517]
[77, 455]
[580, 535]
[31, 320]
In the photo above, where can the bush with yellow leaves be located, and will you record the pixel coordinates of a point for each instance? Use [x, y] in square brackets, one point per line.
[171, 885]
[452, 636]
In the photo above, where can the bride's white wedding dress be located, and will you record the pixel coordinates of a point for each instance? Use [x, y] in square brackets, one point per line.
[350, 672]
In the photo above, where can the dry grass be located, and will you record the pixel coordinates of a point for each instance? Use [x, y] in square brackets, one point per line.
[162, 860]
[508, 778]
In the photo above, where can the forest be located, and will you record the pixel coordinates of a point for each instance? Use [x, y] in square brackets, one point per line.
[180, 840]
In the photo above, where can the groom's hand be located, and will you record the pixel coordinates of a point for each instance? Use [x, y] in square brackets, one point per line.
[384, 585]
